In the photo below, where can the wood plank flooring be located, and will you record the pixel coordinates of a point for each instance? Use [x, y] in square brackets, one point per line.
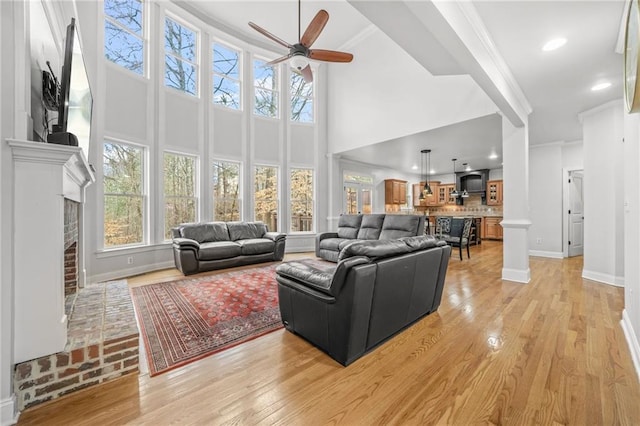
[550, 352]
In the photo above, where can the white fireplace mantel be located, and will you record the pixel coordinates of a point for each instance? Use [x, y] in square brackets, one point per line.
[44, 175]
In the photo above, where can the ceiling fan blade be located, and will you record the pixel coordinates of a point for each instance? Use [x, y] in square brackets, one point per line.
[307, 74]
[269, 35]
[315, 28]
[330, 55]
[277, 61]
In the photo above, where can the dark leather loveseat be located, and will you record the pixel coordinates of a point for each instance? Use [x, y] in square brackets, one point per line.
[199, 247]
[353, 227]
[376, 290]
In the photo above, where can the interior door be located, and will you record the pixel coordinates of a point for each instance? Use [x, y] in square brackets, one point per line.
[357, 198]
[576, 214]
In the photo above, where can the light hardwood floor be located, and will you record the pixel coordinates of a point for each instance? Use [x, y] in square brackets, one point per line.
[495, 352]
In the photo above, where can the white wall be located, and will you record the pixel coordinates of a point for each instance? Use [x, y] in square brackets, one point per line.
[603, 198]
[384, 94]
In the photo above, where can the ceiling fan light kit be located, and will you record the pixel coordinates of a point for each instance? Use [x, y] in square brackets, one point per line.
[301, 52]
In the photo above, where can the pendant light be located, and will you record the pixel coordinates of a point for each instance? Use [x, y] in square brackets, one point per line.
[426, 191]
[454, 193]
[465, 194]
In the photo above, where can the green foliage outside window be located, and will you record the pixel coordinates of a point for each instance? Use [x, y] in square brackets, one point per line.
[123, 195]
[266, 196]
[301, 200]
[226, 191]
[179, 191]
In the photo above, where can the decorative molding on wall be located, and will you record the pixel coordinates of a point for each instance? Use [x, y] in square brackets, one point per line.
[8, 415]
[632, 341]
[603, 278]
[544, 253]
[516, 223]
[516, 275]
[599, 108]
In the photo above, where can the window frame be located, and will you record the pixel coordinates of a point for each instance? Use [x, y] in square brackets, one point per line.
[183, 23]
[240, 187]
[143, 38]
[144, 176]
[312, 98]
[313, 199]
[278, 195]
[278, 76]
[196, 186]
[240, 80]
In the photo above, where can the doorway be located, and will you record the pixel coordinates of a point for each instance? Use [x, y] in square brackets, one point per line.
[357, 198]
[574, 213]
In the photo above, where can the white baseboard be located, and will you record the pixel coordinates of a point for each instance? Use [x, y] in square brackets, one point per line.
[517, 275]
[301, 249]
[544, 253]
[632, 341]
[603, 278]
[129, 272]
[8, 415]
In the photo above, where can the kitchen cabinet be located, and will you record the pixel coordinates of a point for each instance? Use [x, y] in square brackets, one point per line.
[449, 200]
[494, 193]
[492, 228]
[395, 191]
[433, 200]
[427, 201]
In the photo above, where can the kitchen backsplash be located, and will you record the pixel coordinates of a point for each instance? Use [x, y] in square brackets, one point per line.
[473, 204]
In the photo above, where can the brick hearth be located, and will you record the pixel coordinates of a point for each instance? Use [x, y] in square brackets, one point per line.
[102, 345]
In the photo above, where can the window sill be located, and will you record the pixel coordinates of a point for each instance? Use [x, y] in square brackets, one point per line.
[119, 251]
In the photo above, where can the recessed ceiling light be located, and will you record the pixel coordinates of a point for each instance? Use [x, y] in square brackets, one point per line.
[414, 167]
[432, 172]
[601, 86]
[554, 44]
[493, 156]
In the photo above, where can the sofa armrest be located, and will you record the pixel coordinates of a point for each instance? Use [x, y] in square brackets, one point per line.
[274, 236]
[321, 236]
[185, 243]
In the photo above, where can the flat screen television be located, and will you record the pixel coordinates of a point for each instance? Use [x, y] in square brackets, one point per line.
[76, 102]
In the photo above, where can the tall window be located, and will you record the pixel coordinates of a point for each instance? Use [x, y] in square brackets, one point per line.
[265, 80]
[180, 59]
[266, 196]
[123, 34]
[226, 76]
[123, 194]
[301, 200]
[301, 99]
[226, 191]
[180, 200]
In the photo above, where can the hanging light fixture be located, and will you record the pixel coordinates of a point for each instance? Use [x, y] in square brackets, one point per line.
[465, 194]
[426, 191]
[454, 193]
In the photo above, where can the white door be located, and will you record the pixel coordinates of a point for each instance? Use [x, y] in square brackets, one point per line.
[576, 214]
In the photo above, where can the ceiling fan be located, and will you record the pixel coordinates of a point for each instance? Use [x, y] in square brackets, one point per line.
[301, 52]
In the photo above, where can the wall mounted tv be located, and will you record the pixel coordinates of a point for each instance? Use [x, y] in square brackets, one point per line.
[75, 102]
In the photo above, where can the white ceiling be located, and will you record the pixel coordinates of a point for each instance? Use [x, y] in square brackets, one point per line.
[557, 84]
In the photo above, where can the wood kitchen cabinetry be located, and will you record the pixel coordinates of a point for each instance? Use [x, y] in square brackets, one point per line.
[427, 201]
[494, 193]
[395, 191]
[492, 229]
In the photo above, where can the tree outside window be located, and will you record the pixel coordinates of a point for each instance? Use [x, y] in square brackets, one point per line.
[226, 76]
[226, 191]
[301, 99]
[266, 196]
[265, 80]
[123, 34]
[301, 200]
[180, 201]
[181, 67]
[123, 194]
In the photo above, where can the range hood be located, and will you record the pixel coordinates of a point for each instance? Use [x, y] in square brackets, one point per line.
[474, 182]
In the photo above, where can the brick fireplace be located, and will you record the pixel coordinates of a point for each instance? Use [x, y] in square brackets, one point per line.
[71, 226]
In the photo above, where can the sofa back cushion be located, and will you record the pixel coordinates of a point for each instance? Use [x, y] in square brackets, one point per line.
[246, 230]
[374, 249]
[398, 226]
[348, 225]
[370, 227]
[205, 232]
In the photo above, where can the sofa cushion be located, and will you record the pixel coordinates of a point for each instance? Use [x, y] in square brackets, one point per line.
[219, 250]
[370, 227]
[205, 232]
[397, 226]
[422, 242]
[319, 279]
[333, 243]
[246, 230]
[375, 249]
[252, 246]
[348, 225]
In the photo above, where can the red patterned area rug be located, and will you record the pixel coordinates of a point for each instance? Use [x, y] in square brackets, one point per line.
[186, 320]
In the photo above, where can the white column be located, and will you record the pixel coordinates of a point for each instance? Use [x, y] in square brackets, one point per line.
[516, 222]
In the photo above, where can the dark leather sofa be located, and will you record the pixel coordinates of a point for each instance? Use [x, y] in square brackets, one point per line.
[199, 247]
[376, 290]
[353, 227]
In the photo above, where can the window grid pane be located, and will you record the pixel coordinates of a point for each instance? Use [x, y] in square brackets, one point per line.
[181, 68]
[226, 191]
[301, 99]
[266, 196]
[226, 77]
[123, 195]
[302, 203]
[127, 13]
[266, 98]
[123, 38]
[179, 191]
